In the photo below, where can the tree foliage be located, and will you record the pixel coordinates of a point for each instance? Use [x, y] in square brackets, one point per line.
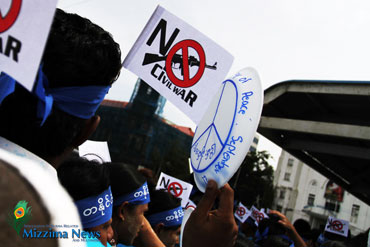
[254, 184]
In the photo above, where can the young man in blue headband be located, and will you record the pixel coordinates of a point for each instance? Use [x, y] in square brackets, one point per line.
[88, 184]
[131, 198]
[165, 215]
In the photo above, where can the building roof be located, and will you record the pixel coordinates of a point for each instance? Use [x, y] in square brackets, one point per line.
[325, 124]
[114, 103]
[186, 130]
[122, 104]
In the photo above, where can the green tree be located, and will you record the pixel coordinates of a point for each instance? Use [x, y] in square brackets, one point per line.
[253, 184]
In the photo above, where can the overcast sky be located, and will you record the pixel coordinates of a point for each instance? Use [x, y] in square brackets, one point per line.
[281, 39]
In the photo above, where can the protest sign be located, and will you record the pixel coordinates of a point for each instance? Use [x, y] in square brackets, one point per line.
[190, 204]
[179, 62]
[223, 137]
[176, 187]
[257, 215]
[337, 226]
[242, 213]
[93, 150]
[24, 28]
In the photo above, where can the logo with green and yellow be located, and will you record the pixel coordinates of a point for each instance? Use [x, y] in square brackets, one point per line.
[20, 216]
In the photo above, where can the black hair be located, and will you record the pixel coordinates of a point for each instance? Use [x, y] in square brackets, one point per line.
[83, 178]
[77, 53]
[160, 201]
[337, 237]
[124, 178]
[275, 229]
[361, 239]
[303, 228]
[332, 243]
[275, 241]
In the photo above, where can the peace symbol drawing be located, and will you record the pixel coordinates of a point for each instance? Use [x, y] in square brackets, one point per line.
[223, 137]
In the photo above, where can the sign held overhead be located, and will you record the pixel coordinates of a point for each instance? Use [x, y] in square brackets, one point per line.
[24, 28]
[179, 62]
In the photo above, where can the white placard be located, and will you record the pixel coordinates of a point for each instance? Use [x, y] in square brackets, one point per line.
[93, 150]
[179, 62]
[24, 28]
[242, 213]
[176, 187]
[337, 226]
[223, 137]
[257, 215]
[190, 204]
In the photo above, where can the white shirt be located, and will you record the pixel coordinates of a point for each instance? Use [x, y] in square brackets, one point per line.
[24, 153]
[43, 177]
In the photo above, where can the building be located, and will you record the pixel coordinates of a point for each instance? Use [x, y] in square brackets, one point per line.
[301, 192]
[253, 147]
[138, 135]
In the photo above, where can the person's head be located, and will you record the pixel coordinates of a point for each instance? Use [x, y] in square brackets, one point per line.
[131, 198]
[332, 243]
[165, 216]
[304, 229]
[271, 233]
[249, 227]
[88, 184]
[80, 54]
[18, 188]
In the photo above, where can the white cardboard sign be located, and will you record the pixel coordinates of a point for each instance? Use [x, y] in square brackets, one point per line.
[223, 137]
[257, 215]
[24, 28]
[93, 150]
[176, 187]
[337, 226]
[242, 213]
[179, 62]
[190, 204]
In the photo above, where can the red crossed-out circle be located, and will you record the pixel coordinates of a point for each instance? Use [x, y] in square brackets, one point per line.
[7, 21]
[175, 189]
[258, 216]
[240, 211]
[184, 45]
[337, 225]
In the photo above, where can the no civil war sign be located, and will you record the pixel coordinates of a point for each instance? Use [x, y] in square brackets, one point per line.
[176, 187]
[242, 213]
[337, 226]
[24, 28]
[257, 215]
[179, 62]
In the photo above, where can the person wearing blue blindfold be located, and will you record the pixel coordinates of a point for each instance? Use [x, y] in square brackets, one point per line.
[79, 65]
[88, 184]
[165, 215]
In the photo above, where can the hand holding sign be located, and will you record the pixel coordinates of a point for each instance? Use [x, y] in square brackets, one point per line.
[291, 231]
[215, 228]
[224, 135]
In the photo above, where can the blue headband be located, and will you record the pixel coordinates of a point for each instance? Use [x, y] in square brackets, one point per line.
[137, 197]
[321, 239]
[80, 102]
[95, 210]
[261, 236]
[171, 217]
